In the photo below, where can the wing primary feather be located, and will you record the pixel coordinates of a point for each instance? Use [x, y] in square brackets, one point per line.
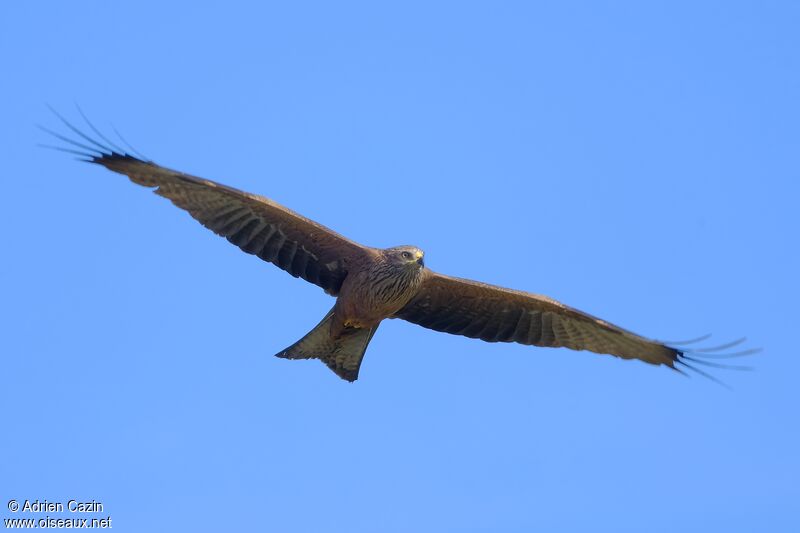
[743, 353]
[704, 374]
[725, 346]
[687, 342]
[679, 371]
[717, 365]
[88, 157]
[73, 142]
[98, 132]
[129, 145]
[103, 149]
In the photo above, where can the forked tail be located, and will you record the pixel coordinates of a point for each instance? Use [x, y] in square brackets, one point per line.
[343, 355]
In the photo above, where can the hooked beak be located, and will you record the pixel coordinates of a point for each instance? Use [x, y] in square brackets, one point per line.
[420, 262]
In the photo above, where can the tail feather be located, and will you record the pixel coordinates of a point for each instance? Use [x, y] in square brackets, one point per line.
[343, 355]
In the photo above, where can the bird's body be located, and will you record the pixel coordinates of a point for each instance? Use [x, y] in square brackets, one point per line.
[378, 288]
[372, 284]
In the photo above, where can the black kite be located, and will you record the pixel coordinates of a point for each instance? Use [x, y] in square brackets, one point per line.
[373, 284]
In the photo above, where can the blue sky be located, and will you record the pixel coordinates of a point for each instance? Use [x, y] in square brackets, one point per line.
[637, 160]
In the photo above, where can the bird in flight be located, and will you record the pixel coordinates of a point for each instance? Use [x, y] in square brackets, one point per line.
[373, 284]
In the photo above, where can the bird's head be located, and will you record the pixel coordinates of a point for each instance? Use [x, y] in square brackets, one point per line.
[406, 256]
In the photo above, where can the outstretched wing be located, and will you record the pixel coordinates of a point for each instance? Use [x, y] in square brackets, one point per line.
[495, 314]
[255, 224]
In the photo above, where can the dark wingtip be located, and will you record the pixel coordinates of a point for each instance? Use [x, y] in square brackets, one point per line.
[724, 346]
[126, 143]
[690, 358]
[88, 148]
[705, 374]
[97, 132]
[686, 342]
[715, 365]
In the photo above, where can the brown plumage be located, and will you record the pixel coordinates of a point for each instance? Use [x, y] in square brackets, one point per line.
[372, 284]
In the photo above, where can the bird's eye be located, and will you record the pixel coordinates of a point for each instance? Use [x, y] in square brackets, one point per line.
[406, 255]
